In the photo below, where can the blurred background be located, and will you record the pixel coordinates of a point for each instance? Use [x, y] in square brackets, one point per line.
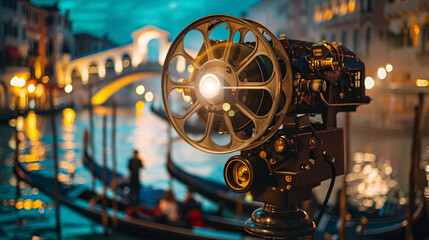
[90, 52]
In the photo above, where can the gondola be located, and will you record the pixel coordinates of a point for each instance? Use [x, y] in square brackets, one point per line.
[76, 197]
[147, 192]
[377, 226]
[216, 192]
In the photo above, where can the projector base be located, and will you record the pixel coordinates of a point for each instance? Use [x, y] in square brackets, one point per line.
[280, 222]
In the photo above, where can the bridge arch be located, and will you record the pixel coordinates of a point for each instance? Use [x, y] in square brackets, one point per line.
[107, 91]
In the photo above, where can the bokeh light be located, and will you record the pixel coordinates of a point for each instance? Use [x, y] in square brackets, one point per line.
[139, 105]
[389, 67]
[68, 88]
[369, 82]
[422, 83]
[381, 73]
[148, 96]
[31, 88]
[140, 89]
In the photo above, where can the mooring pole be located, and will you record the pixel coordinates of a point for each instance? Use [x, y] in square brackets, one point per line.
[414, 163]
[343, 193]
[114, 180]
[105, 219]
[18, 190]
[91, 135]
[55, 151]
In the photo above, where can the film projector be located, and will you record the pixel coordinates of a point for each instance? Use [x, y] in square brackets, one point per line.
[275, 101]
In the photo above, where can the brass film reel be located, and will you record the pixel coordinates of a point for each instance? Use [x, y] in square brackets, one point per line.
[235, 88]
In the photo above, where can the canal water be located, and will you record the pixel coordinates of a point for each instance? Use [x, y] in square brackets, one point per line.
[378, 166]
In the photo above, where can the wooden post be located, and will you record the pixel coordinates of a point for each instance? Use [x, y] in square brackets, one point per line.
[18, 190]
[91, 135]
[415, 158]
[105, 219]
[55, 151]
[343, 194]
[114, 181]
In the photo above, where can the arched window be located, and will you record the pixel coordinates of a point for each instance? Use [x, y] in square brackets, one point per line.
[153, 47]
[93, 71]
[110, 66]
[75, 76]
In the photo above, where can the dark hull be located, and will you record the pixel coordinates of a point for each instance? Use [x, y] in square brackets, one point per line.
[211, 220]
[142, 228]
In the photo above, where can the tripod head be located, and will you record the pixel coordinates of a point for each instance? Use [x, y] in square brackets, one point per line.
[255, 93]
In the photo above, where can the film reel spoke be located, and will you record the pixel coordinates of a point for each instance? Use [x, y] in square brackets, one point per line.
[180, 51]
[206, 137]
[215, 84]
[170, 84]
[229, 42]
[204, 30]
[270, 85]
[259, 121]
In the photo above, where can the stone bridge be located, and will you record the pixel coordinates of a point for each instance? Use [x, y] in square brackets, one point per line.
[104, 73]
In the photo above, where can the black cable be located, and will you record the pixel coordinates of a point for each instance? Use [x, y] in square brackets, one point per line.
[329, 161]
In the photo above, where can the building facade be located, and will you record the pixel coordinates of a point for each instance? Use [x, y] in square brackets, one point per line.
[32, 42]
[86, 43]
[381, 32]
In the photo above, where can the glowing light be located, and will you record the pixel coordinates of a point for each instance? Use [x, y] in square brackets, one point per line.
[18, 205]
[31, 88]
[226, 107]
[328, 15]
[351, 6]
[422, 83]
[35, 238]
[69, 116]
[140, 89]
[37, 204]
[381, 73]
[27, 204]
[14, 81]
[32, 104]
[45, 79]
[148, 96]
[39, 90]
[389, 67]
[21, 82]
[37, 70]
[231, 113]
[68, 88]
[209, 86]
[369, 82]
[190, 68]
[139, 105]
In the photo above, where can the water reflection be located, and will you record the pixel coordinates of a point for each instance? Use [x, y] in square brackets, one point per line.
[370, 181]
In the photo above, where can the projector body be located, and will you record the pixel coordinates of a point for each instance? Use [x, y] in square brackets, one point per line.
[276, 101]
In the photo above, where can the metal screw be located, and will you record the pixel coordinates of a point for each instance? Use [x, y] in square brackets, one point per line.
[288, 178]
[272, 161]
[228, 70]
[288, 187]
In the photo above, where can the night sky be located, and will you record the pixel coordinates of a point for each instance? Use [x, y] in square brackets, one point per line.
[119, 18]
